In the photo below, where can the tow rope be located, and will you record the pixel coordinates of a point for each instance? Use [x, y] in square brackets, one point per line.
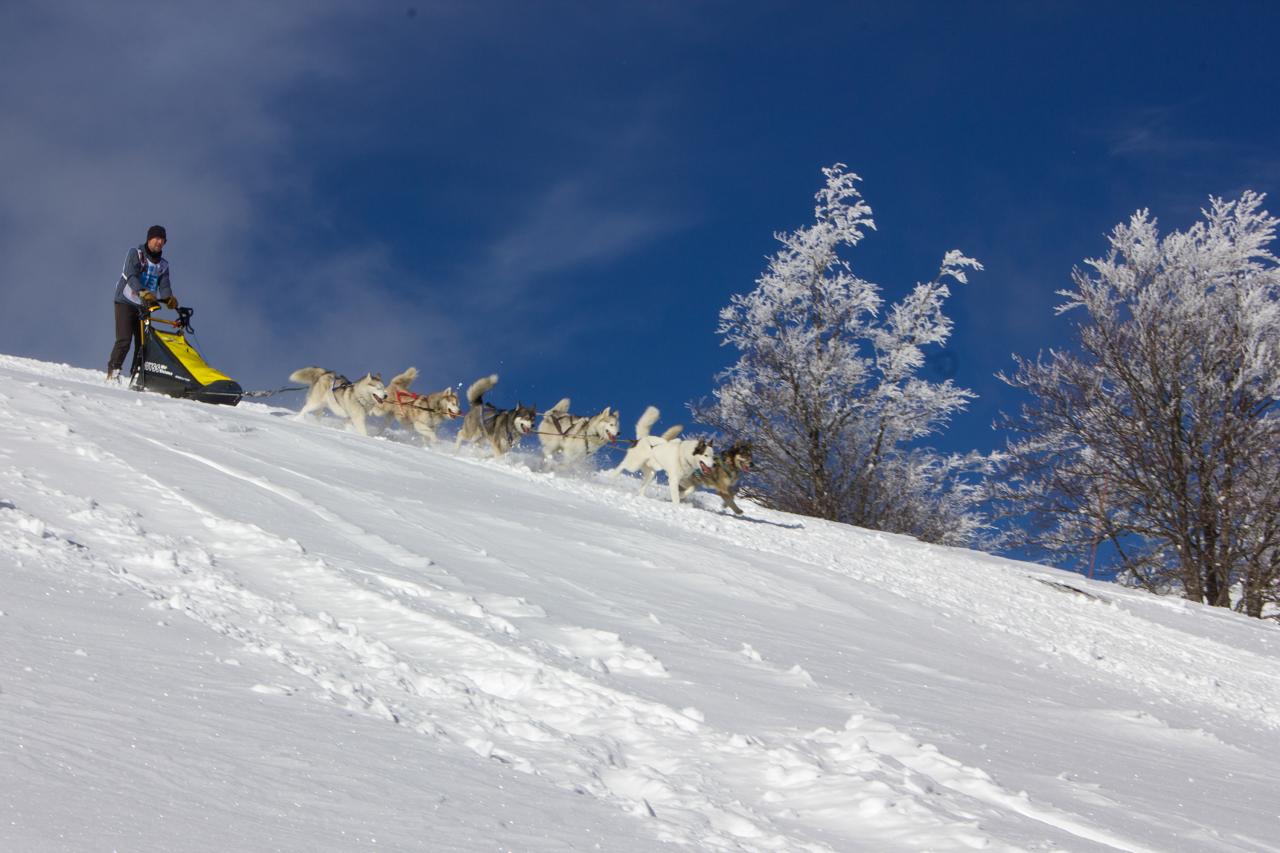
[631, 442]
[274, 392]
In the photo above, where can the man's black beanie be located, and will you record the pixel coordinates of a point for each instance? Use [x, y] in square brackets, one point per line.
[157, 231]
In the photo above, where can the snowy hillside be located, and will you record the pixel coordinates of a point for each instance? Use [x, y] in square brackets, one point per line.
[224, 629]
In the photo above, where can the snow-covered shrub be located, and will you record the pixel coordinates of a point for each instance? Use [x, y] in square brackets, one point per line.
[826, 385]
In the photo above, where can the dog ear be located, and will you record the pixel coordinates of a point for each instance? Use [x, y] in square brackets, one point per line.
[376, 377]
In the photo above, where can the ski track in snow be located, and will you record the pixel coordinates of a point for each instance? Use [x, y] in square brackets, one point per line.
[496, 701]
[393, 630]
[1124, 644]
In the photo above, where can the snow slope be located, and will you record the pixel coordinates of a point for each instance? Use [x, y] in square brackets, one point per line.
[225, 629]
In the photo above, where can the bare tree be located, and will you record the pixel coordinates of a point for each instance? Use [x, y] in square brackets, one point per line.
[826, 389]
[1161, 438]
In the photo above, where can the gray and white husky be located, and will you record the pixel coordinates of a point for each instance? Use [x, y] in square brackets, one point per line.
[575, 436]
[422, 412]
[724, 476]
[677, 458]
[502, 428]
[352, 401]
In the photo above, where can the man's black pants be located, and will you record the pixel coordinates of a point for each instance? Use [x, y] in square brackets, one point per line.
[128, 318]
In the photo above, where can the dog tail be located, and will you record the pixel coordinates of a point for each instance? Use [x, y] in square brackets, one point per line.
[477, 389]
[560, 408]
[672, 432]
[403, 380]
[308, 375]
[646, 422]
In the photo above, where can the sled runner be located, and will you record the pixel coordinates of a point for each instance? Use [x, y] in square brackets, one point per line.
[170, 365]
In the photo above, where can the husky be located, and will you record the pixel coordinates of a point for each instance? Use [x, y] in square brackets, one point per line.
[724, 475]
[352, 401]
[423, 412]
[502, 428]
[575, 436]
[676, 458]
[397, 393]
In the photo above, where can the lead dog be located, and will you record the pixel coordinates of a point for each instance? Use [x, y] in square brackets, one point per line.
[724, 475]
[575, 436]
[352, 401]
[422, 412]
[675, 457]
[502, 428]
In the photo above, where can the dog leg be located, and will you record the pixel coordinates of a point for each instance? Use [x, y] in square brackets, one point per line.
[628, 463]
[674, 484]
[357, 422]
[312, 406]
[433, 430]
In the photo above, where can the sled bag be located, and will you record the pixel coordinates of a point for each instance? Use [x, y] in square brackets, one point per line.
[171, 366]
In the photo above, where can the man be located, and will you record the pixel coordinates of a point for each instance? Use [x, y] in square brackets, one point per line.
[144, 282]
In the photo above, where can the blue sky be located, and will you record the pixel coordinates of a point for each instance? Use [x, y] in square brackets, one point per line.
[567, 193]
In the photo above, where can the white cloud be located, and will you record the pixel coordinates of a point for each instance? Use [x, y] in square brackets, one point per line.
[193, 115]
[568, 227]
[118, 116]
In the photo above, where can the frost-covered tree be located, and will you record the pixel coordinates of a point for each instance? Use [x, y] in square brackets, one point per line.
[826, 386]
[1161, 437]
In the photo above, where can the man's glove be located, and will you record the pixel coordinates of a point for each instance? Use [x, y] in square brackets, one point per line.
[172, 302]
[147, 296]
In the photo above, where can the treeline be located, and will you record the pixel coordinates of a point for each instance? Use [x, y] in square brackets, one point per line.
[1153, 444]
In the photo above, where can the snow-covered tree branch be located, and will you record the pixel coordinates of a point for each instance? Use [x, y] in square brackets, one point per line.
[1161, 437]
[828, 392]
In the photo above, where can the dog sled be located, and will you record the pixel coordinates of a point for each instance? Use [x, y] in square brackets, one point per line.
[168, 364]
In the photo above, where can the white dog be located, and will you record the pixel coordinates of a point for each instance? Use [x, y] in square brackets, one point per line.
[676, 458]
[352, 401]
[575, 436]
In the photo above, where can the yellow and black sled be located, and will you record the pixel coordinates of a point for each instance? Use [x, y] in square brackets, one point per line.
[170, 365]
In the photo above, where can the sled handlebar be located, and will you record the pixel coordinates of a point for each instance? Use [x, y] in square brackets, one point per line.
[184, 316]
